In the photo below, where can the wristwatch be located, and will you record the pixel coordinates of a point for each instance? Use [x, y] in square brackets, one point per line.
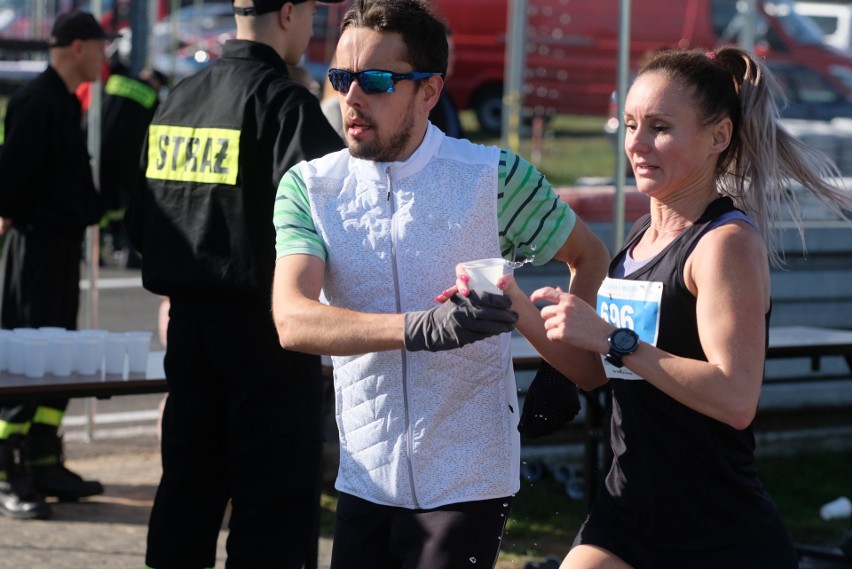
[622, 341]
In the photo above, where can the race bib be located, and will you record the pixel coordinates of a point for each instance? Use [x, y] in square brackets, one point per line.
[634, 305]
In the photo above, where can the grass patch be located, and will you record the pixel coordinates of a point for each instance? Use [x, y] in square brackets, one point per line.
[544, 519]
[571, 147]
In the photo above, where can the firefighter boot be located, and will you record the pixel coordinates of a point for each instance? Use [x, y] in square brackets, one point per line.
[45, 463]
[18, 498]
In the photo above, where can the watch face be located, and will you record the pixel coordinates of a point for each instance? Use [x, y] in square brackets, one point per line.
[624, 340]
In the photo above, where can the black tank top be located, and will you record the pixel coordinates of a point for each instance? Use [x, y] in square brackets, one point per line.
[679, 479]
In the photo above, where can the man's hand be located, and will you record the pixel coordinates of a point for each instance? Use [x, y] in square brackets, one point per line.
[458, 322]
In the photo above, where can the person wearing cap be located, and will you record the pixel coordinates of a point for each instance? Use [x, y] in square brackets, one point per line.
[47, 199]
[243, 419]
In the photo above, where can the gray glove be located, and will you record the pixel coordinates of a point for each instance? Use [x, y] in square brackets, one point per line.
[458, 322]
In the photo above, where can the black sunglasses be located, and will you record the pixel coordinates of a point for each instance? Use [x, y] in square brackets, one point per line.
[372, 81]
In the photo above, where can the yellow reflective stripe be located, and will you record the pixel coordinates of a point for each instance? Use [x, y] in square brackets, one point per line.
[48, 416]
[186, 154]
[9, 429]
[132, 89]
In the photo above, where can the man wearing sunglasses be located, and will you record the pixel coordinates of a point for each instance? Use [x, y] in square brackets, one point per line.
[242, 422]
[426, 400]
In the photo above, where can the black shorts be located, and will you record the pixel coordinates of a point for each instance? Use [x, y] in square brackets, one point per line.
[463, 535]
[769, 549]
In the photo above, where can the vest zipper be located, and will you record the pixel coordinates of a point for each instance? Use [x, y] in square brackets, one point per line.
[409, 444]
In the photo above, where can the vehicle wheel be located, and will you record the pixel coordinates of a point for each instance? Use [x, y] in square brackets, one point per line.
[488, 106]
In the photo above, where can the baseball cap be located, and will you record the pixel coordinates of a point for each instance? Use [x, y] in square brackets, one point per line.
[266, 6]
[76, 26]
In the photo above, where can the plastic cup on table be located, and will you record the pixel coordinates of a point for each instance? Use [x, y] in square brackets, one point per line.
[61, 354]
[49, 332]
[15, 351]
[138, 346]
[484, 274]
[35, 356]
[115, 350]
[99, 335]
[87, 361]
[4, 350]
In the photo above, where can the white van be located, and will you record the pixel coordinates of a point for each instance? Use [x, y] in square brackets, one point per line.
[833, 18]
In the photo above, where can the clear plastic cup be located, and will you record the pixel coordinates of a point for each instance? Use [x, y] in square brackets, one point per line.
[484, 274]
[115, 350]
[100, 335]
[87, 361]
[4, 349]
[35, 356]
[138, 346]
[15, 351]
[62, 354]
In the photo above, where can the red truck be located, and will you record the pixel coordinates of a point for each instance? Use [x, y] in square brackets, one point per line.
[572, 45]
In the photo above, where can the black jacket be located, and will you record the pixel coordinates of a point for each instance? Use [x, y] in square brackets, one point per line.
[127, 107]
[216, 150]
[45, 171]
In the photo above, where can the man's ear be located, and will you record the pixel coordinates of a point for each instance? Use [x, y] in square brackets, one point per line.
[430, 90]
[76, 48]
[285, 15]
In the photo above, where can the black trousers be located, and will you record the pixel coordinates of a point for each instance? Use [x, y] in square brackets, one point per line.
[455, 536]
[41, 287]
[242, 422]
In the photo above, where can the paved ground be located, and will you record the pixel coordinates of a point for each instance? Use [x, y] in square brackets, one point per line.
[106, 531]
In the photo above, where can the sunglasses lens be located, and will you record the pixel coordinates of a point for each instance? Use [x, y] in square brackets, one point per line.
[373, 82]
[340, 80]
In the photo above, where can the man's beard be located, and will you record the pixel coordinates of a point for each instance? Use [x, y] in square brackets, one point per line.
[381, 150]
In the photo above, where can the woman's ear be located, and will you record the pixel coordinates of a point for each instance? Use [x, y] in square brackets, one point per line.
[722, 132]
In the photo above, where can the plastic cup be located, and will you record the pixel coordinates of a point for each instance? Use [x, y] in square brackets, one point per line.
[138, 346]
[15, 351]
[484, 274]
[4, 350]
[61, 354]
[35, 356]
[100, 335]
[836, 509]
[88, 354]
[115, 350]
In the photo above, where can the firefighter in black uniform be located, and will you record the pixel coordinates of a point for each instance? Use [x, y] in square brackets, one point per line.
[127, 107]
[243, 418]
[47, 198]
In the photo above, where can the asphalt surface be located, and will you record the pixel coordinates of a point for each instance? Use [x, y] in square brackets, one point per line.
[114, 441]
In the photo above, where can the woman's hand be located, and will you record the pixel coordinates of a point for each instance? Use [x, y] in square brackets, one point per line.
[571, 320]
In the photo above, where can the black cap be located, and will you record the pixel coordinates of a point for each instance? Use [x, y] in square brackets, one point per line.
[266, 6]
[76, 26]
